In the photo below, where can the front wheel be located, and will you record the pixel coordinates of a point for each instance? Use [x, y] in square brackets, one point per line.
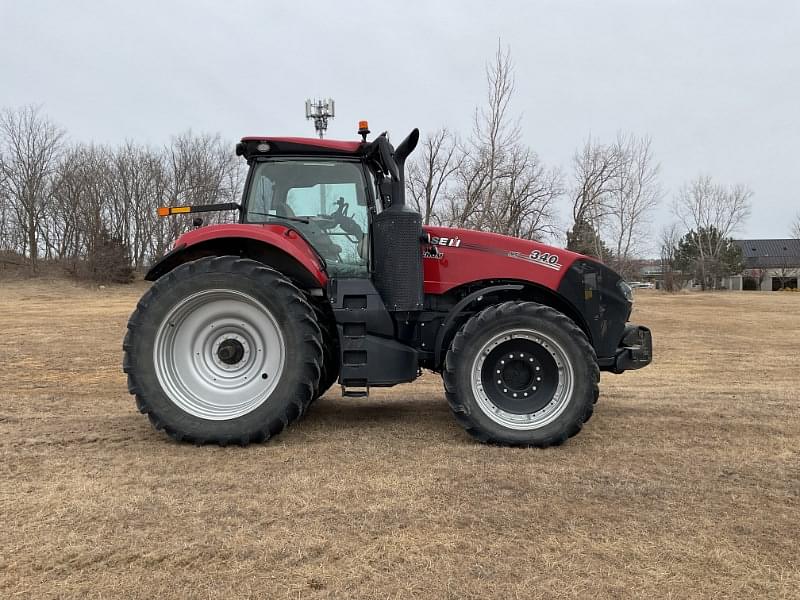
[521, 373]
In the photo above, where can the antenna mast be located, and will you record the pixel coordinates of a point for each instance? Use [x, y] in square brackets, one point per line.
[320, 111]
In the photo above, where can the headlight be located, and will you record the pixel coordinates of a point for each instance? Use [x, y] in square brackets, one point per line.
[626, 290]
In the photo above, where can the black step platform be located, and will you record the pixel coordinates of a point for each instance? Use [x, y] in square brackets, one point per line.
[370, 354]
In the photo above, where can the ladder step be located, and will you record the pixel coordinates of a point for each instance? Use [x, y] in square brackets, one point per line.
[355, 393]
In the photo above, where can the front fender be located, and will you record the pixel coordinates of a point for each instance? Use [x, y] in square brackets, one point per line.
[278, 246]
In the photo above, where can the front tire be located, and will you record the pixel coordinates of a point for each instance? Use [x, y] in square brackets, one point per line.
[521, 373]
[223, 350]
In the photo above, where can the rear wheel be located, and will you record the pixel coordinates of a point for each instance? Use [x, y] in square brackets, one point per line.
[330, 350]
[521, 373]
[223, 350]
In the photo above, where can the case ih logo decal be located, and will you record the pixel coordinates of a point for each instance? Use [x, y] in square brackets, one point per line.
[446, 241]
[545, 259]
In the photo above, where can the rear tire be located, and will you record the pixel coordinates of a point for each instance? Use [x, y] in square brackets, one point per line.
[330, 350]
[223, 350]
[521, 373]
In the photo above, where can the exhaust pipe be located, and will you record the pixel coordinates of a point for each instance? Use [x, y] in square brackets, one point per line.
[393, 161]
[401, 153]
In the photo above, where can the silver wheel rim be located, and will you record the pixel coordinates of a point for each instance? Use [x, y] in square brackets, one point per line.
[530, 420]
[219, 354]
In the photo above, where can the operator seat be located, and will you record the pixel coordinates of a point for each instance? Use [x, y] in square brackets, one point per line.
[282, 209]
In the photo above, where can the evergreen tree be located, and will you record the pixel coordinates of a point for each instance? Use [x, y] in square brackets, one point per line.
[707, 256]
[584, 239]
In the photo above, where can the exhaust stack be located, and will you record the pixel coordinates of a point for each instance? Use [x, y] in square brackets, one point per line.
[396, 235]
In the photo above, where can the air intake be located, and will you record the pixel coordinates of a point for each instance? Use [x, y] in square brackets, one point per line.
[398, 260]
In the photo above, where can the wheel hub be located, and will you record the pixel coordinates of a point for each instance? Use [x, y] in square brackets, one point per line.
[230, 350]
[517, 375]
[521, 379]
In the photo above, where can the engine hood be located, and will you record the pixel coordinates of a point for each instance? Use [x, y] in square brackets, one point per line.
[453, 257]
[456, 257]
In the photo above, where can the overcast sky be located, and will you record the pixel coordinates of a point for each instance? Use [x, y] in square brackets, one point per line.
[716, 84]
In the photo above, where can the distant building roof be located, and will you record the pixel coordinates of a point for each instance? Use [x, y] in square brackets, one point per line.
[652, 270]
[770, 254]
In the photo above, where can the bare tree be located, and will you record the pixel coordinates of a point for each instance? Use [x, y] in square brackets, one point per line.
[465, 202]
[493, 134]
[524, 201]
[500, 184]
[6, 226]
[634, 194]
[30, 145]
[430, 173]
[796, 228]
[198, 169]
[80, 211]
[715, 212]
[670, 237]
[65, 210]
[596, 171]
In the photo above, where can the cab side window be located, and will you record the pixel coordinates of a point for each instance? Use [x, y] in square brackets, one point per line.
[326, 201]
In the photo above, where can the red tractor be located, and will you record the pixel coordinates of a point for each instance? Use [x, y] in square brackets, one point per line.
[329, 276]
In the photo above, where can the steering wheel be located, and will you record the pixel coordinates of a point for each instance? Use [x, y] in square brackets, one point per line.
[348, 224]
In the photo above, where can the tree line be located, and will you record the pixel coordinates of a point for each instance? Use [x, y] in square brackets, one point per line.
[74, 202]
[494, 181]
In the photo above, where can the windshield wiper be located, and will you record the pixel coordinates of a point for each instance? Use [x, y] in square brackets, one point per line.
[284, 217]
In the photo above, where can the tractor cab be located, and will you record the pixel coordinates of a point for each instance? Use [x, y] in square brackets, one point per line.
[335, 194]
[329, 201]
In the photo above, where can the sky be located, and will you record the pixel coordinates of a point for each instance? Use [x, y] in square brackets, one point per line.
[715, 84]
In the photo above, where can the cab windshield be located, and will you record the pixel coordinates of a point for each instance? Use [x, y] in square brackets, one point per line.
[325, 200]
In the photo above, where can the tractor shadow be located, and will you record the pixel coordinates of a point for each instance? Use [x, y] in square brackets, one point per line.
[413, 410]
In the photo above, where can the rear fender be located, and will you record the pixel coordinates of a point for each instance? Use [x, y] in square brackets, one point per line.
[282, 248]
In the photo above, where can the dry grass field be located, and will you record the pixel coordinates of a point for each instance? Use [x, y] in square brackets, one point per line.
[685, 484]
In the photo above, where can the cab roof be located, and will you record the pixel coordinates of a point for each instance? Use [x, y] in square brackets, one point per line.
[271, 146]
